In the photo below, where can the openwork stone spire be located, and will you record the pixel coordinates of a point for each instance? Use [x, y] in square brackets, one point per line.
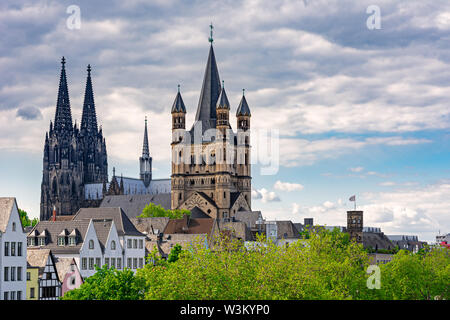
[63, 116]
[89, 117]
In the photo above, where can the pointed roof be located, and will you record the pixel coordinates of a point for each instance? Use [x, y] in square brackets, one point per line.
[145, 151]
[178, 104]
[63, 115]
[206, 110]
[222, 102]
[243, 109]
[89, 117]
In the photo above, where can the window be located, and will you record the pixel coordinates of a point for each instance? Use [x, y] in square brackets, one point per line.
[135, 243]
[48, 276]
[31, 292]
[6, 275]
[28, 276]
[113, 245]
[72, 241]
[42, 241]
[141, 244]
[119, 263]
[84, 263]
[19, 273]
[19, 249]
[129, 263]
[97, 262]
[14, 226]
[61, 241]
[6, 249]
[6, 296]
[107, 262]
[141, 262]
[129, 243]
[13, 295]
[134, 263]
[113, 262]
[91, 244]
[13, 273]
[31, 241]
[13, 249]
[91, 263]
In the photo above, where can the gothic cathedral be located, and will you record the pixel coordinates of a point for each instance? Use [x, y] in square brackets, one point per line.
[73, 156]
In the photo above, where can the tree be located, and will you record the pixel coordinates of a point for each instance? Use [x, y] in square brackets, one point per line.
[416, 276]
[174, 253]
[26, 222]
[108, 284]
[151, 210]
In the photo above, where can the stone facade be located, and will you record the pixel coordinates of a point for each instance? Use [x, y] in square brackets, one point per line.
[211, 168]
[73, 156]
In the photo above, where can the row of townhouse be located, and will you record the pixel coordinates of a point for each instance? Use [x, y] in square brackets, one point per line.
[93, 237]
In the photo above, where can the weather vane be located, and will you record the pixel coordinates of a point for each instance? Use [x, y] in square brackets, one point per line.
[211, 33]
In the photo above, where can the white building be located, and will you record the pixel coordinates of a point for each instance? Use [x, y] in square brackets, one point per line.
[95, 236]
[13, 252]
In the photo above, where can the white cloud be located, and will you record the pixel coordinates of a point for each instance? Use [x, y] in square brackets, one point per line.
[287, 186]
[265, 195]
[357, 169]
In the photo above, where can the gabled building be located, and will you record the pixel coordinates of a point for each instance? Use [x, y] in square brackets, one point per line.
[13, 252]
[49, 285]
[95, 236]
[69, 274]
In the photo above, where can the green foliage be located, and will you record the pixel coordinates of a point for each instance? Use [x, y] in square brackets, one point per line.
[174, 253]
[151, 210]
[26, 222]
[108, 284]
[326, 266]
[421, 276]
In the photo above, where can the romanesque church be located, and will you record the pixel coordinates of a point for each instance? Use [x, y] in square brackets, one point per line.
[211, 170]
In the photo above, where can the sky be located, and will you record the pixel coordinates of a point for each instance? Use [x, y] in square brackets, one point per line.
[360, 104]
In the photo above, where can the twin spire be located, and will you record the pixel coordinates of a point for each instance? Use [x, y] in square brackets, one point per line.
[63, 115]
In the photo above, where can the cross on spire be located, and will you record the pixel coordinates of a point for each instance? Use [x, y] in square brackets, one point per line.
[89, 69]
[211, 33]
[63, 61]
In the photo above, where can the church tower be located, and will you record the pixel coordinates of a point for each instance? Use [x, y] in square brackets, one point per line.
[145, 162]
[72, 156]
[62, 180]
[207, 178]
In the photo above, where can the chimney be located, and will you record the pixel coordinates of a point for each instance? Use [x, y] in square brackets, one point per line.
[54, 214]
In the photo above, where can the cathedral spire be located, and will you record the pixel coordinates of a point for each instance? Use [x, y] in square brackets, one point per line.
[89, 117]
[206, 110]
[145, 151]
[63, 115]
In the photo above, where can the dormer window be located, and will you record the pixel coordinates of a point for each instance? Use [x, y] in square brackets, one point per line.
[41, 241]
[61, 241]
[72, 241]
[31, 241]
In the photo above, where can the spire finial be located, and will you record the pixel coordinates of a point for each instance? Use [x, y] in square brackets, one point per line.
[145, 120]
[211, 33]
[178, 88]
[114, 171]
[223, 83]
[243, 92]
[63, 61]
[89, 69]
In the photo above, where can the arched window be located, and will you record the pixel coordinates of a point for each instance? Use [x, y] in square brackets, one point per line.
[113, 245]
[91, 244]
[14, 226]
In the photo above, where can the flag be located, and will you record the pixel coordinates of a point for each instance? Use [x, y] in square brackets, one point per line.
[352, 198]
